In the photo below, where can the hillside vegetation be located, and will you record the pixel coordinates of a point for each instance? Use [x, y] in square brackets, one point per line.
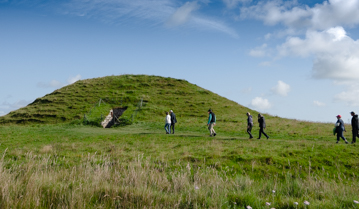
[52, 159]
[190, 103]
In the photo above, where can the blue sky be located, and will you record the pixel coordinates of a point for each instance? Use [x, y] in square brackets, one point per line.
[294, 59]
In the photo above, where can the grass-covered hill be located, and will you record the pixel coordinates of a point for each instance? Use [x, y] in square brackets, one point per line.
[158, 94]
[55, 160]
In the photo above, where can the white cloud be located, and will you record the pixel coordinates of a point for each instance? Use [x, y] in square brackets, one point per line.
[260, 103]
[72, 80]
[336, 56]
[289, 13]
[259, 51]
[268, 36]
[349, 96]
[51, 84]
[213, 25]
[58, 84]
[182, 14]
[319, 104]
[149, 12]
[281, 88]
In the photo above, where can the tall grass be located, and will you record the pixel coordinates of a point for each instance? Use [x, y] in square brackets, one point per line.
[99, 181]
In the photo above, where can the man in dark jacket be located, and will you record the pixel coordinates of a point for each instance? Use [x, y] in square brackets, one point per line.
[173, 121]
[340, 128]
[262, 126]
[249, 125]
[355, 126]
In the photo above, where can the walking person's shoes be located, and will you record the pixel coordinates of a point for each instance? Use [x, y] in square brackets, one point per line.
[353, 142]
[251, 137]
[210, 135]
[214, 134]
[267, 137]
[346, 142]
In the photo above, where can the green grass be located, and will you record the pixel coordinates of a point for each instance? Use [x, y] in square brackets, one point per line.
[52, 160]
[139, 166]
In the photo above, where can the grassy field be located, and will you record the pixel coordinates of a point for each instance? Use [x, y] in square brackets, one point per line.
[138, 166]
[50, 159]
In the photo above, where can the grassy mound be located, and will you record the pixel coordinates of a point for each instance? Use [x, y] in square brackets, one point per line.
[158, 94]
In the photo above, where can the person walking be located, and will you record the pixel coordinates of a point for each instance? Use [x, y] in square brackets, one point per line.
[262, 126]
[211, 122]
[249, 125]
[168, 123]
[173, 122]
[355, 126]
[340, 128]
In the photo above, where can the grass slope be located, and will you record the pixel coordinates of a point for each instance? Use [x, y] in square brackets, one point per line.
[189, 102]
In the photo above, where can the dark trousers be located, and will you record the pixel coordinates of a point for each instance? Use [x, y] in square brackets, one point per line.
[173, 128]
[261, 130]
[340, 135]
[249, 129]
[355, 135]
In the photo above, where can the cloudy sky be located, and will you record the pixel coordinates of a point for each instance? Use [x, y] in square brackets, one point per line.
[295, 59]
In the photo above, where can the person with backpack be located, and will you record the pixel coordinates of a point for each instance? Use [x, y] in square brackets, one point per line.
[211, 122]
[262, 126]
[340, 128]
[249, 125]
[173, 121]
[355, 126]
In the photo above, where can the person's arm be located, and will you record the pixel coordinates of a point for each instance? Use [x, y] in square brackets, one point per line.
[209, 118]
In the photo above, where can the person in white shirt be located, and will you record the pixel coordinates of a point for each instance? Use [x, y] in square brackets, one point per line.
[168, 123]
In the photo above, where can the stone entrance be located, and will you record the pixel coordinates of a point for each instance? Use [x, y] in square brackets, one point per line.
[112, 118]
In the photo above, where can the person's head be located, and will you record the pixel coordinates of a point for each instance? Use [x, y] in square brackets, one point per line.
[248, 114]
[339, 116]
[171, 111]
[259, 115]
[167, 113]
[210, 110]
[352, 113]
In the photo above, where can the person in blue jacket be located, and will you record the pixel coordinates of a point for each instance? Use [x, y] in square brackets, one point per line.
[211, 123]
[340, 128]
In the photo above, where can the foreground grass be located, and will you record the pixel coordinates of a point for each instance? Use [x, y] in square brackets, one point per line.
[140, 167]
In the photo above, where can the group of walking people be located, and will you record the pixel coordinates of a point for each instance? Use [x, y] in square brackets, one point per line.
[262, 125]
[339, 128]
[170, 122]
